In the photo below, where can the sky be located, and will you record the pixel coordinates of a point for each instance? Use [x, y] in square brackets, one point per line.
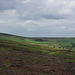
[38, 18]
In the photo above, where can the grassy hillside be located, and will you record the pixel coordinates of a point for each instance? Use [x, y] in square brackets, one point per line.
[57, 43]
[36, 56]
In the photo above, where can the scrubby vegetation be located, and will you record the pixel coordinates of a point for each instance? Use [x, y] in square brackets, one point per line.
[36, 56]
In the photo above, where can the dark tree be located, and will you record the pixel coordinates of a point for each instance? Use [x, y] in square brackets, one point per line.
[73, 45]
[39, 39]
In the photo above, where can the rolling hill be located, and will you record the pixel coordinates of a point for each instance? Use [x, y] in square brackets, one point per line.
[36, 56]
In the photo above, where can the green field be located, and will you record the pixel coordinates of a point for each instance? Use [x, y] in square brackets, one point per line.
[22, 54]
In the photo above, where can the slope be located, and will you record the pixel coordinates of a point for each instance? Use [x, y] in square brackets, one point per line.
[21, 58]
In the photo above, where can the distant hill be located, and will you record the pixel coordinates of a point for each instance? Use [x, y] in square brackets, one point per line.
[11, 37]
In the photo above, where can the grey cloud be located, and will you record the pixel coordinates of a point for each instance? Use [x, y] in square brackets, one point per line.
[37, 17]
[49, 9]
[7, 4]
[50, 16]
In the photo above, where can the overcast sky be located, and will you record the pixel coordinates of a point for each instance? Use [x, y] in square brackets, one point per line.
[38, 18]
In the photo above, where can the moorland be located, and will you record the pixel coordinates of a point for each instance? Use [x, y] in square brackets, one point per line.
[36, 55]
